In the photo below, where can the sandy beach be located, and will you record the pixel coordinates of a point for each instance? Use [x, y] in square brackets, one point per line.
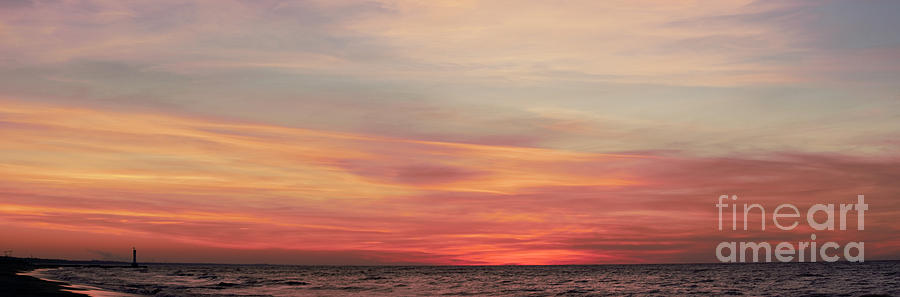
[15, 284]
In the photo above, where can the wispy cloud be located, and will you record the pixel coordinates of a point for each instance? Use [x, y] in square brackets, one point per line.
[440, 131]
[238, 185]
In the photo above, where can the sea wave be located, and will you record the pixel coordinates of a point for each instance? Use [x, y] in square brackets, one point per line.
[796, 279]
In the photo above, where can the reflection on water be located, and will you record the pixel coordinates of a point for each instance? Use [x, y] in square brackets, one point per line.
[77, 288]
[849, 279]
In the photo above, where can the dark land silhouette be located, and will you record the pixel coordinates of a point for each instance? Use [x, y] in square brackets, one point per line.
[14, 284]
[27, 286]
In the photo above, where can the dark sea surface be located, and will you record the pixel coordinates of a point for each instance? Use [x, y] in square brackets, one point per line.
[769, 279]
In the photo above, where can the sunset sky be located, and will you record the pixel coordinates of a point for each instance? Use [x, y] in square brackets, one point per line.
[439, 132]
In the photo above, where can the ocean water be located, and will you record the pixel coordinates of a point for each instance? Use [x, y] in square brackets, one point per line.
[769, 279]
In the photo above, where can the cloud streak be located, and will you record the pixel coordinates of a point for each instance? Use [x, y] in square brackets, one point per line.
[445, 132]
[246, 186]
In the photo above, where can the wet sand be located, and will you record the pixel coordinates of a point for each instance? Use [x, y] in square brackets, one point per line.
[14, 284]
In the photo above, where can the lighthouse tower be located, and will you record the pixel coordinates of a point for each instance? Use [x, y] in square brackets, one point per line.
[133, 257]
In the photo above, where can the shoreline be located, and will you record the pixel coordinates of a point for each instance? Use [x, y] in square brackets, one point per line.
[16, 284]
[82, 289]
[875, 278]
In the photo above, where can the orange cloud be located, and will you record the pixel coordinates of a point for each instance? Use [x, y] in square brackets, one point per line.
[226, 185]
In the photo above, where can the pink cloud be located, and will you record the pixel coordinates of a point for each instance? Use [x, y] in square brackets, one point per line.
[246, 187]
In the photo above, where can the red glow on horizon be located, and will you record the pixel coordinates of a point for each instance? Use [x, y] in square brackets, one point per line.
[181, 185]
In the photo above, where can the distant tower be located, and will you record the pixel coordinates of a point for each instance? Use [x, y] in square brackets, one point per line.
[133, 257]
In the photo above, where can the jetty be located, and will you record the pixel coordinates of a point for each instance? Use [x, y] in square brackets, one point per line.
[55, 263]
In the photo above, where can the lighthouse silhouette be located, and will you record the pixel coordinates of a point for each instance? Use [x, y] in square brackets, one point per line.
[133, 257]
